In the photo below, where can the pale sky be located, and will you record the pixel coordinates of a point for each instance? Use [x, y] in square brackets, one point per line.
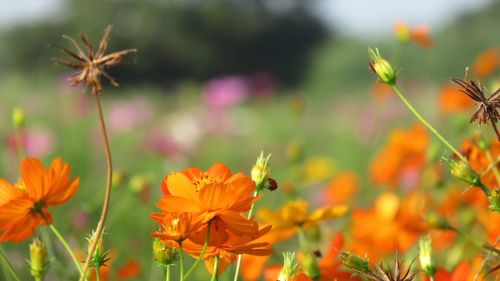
[356, 17]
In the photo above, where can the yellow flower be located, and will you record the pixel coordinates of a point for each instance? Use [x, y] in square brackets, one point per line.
[318, 169]
[294, 216]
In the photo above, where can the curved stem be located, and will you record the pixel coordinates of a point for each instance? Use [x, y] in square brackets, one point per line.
[181, 262]
[66, 246]
[203, 250]
[107, 195]
[215, 277]
[238, 261]
[484, 188]
[427, 124]
[9, 266]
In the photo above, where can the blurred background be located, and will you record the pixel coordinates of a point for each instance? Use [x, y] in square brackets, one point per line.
[220, 81]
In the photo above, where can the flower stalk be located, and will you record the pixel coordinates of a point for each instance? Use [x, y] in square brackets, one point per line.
[203, 250]
[9, 266]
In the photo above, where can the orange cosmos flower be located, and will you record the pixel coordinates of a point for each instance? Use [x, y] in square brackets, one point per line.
[398, 224]
[294, 215]
[342, 188]
[227, 246]
[451, 99]
[330, 265]
[175, 227]
[215, 196]
[419, 35]
[24, 206]
[131, 269]
[486, 63]
[401, 159]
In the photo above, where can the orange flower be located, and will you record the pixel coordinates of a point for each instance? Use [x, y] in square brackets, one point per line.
[342, 188]
[398, 224]
[330, 265]
[401, 159]
[294, 215]
[216, 196]
[479, 161]
[418, 35]
[451, 99]
[381, 91]
[131, 269]
[24, 206]
[227, 246]
[486, 63]
[175, 227]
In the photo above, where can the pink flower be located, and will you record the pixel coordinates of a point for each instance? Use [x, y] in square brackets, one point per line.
[225, 92]
[126, 115]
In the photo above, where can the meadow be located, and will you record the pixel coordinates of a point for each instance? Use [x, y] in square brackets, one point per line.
[377, 167]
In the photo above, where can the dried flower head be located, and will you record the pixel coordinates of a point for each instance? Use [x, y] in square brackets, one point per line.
[487, 107]
[92, 65]
[400, 272]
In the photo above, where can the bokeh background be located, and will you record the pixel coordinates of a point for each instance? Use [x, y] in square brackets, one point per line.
[221, 81]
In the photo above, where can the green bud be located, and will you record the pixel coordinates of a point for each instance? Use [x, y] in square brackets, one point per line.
[162, 254]
[495, 200]
[39, 261]
[426, 256]
[260, 171]
[290, 267]
[464, 172]
[385, 72]
[18, 118]
[353, 261]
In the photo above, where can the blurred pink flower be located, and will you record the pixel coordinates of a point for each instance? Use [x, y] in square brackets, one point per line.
[80, 219]
[126, 115]
[225, 92]
[37, 142]
[161, 143]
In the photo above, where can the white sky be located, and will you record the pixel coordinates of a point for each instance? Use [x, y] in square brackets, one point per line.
[358, 17]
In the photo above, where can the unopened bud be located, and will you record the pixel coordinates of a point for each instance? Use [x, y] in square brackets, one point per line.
[464, 172]
[385, 72]
[310, 265]
[290, 267]
[162, 254]
[18, 118]
[260, 171]
[495, 200]
[118, 178]
[353, 261]
[39, 261]
[139, 183]
[426, 256]
[99, 256]
[403, 32]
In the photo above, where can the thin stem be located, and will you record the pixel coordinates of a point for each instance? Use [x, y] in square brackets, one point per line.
[66, 246]
[238, 261]
[181, 262]
[427, 124]
[203, 250]
[215, 276]
[9, 266]
[21, 153]
[98, 274]
[107, 195]
[484, 188]
[432, 277]
[166, 273]
[493, 165]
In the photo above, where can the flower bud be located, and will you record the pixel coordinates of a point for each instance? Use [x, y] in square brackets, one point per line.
[464, 172]
[118, 178]
[18, 118]
[100, 256]
[290, 267]
[310, 265]
[385, 72]
[354, 262]
[139, 183]
[495, 200]
[39, 261]
[403, 32]
[425, 256]
[260, 171]
[162, 254]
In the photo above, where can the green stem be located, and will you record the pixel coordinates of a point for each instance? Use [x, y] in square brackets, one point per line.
[181, 261]
[432, 277]
[203, 250]
[9, 266]
[484, 188]
[67, 247]
[304, 245]
[215, 276]
[494, 165]
[429, 126]
[98, 274]
[38, 278]
[166, 272]
[238, 262]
